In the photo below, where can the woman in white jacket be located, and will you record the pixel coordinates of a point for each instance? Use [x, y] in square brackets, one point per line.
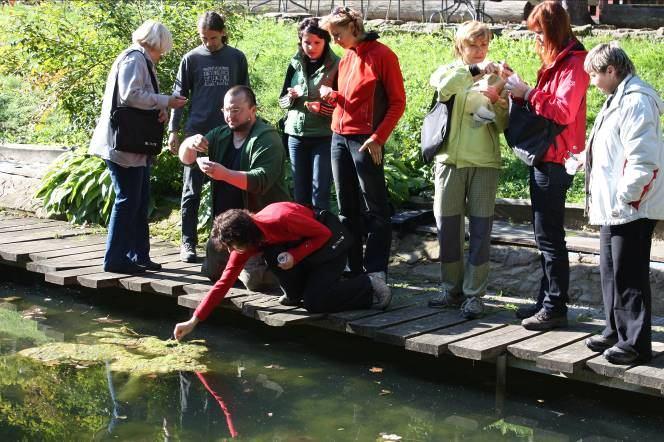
[625, 196]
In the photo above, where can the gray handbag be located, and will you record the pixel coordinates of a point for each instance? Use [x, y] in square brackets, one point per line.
[435, 127]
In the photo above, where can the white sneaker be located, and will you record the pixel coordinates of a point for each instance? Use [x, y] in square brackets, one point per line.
[382, 294]
[187, 253]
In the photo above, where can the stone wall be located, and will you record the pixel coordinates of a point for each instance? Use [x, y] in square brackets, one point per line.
[515, 271]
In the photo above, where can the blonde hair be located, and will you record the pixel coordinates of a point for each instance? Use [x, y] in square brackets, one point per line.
[154, 35]
[470, 32]
[344, 16]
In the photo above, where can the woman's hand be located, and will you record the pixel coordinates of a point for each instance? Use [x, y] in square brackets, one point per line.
[491, 93]
[516, 86]
[173, 142]
[488, 67]
[182, 329]
[327, 93]
[176, 102]
[163, 116]
[285, 261]
[375, 150]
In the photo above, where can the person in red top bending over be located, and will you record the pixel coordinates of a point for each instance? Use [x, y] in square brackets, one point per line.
[301, 251]
[369, 102]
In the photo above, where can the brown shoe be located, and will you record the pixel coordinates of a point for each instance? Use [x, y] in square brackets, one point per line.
[599, 343]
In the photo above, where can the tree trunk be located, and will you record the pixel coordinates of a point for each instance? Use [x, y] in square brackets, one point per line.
[578, 11]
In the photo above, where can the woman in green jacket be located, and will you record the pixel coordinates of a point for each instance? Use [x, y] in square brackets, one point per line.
[309, 117]
[467, 168]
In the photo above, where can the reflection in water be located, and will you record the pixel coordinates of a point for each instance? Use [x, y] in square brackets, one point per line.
[280, 385]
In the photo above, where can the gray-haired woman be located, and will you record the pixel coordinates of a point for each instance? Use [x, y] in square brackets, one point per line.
[625, 196]
[128, 242]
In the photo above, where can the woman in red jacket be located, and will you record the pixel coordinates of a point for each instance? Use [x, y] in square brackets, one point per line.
[560, 96]
[370, 100]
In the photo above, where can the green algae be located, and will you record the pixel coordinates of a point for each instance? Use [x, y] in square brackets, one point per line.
[14, 326]
[125, 351]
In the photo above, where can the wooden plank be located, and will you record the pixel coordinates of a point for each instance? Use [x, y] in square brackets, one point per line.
[338, 321]
[21, 251]
[192, 300]
[436, 342]
[250, 308]
[70, 277]
[48, 265]
[649, 375]
[369, 325]
[27, 227]
[170, 276]
[532, 348]
[252, 296]
[296, 316]
[17, 222]
[568, 359]
[46, 234]
[71, 251]
[398, 334]
[491, 344]
[110, 279]
[601, 366]
[198, 287]
[264, 311]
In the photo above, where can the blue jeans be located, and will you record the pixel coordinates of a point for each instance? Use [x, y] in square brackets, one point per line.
[364, 206]
[128, 233]
[548, 189]
[312, 170]
[192, 186]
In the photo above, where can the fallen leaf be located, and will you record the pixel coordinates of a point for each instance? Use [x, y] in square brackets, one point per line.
[392, 437]
[10, 299]
[274, 366]
[107, 320]
[384, 392]
[376, 370]
[269, 414]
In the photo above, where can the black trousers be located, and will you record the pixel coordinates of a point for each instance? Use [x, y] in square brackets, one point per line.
[548, 189]
[624, 270]
[321, 287]
[364, 206]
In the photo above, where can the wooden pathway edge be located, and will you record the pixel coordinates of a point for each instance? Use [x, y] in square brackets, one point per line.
[71, 256]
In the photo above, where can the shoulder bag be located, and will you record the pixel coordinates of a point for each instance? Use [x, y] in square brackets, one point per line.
[436, 127]
[530, 135]
[136, 130]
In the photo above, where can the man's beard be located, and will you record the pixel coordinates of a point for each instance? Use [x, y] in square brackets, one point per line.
[241, 127]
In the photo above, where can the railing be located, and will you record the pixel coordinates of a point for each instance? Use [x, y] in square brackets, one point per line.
[464, 9]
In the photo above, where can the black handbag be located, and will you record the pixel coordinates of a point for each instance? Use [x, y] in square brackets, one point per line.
[136, 130]
[339, 242]
[435, 127]
[530, 135]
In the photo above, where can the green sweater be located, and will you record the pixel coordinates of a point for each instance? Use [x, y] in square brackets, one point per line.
[262, 158]
[468, 145]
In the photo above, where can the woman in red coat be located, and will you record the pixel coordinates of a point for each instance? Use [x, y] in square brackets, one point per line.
[560, 96]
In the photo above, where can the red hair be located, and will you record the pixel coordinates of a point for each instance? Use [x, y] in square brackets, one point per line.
[551, 18]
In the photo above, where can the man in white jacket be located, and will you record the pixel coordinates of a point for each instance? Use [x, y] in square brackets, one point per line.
[625, 196]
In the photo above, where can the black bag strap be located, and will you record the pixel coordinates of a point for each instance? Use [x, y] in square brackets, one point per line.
[153, 79]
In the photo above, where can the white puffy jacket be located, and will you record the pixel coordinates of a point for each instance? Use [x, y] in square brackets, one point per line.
[625, 157]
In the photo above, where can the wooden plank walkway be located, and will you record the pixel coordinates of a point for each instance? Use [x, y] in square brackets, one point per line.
[66, 255]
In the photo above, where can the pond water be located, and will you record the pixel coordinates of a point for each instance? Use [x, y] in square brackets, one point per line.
[299, 384]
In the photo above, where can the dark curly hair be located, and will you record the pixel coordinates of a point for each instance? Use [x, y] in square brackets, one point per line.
[235, 227]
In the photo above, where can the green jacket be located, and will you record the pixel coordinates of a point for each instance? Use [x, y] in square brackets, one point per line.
[469, 144]
[299, 120]
[262, 157]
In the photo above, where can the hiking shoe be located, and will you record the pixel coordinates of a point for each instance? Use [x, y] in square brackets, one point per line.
[187, 252]
[446, 300]
[382, 295]
[619, 356]
[472, 308]
[285, 300]
[599, 343]
[526, 311]
[544, 320]
[150, 265]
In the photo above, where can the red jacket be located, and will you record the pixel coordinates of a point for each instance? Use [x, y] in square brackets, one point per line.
[371, 96]
[279, 223]
[560, 95]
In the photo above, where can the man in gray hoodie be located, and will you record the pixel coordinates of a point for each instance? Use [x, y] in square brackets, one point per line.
[206, 73]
